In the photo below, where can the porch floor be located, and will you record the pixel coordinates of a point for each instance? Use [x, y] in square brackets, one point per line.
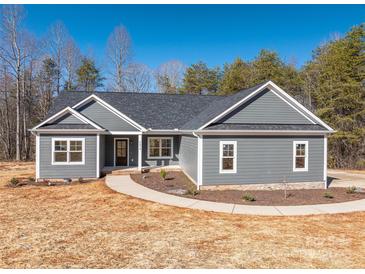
[118, 170]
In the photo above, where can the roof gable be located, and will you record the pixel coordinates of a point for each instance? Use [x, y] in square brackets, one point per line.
[266, 108]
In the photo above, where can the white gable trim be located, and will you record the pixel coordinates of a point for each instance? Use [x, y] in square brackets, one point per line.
[73, 112]
[111, 109]
[272, 86]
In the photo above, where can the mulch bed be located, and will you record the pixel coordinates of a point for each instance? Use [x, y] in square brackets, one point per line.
[177, 181]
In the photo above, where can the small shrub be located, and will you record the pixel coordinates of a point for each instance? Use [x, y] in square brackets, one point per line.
[328, 195]
[360, 164]
[163, 174]
[13, 182]
[351, 190]
[81, 180]
[31, 179]
[192, 191]
[248, 197]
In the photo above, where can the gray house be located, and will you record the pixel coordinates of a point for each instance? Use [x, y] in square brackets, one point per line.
[258, 135]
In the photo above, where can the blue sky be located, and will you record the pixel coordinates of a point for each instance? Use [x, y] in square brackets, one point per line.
[215, 34]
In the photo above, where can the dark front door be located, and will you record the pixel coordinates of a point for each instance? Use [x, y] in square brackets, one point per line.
[121, 152]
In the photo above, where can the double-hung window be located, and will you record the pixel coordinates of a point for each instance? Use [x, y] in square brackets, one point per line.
[160, 147]
[68, 151]
[227, 156]
[300, 156]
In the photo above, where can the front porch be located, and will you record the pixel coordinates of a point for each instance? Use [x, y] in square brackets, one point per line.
[123, 154]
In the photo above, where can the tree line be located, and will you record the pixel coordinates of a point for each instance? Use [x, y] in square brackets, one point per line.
[34, 70]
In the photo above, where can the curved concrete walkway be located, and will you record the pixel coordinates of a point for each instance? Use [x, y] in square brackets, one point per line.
[124, 184]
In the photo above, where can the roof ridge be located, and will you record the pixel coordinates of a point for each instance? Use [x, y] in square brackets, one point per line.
[152, 93]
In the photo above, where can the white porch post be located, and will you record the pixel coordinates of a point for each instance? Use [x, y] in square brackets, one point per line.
[97, 155]
[200, 161]
[37, 156]
[140, 152]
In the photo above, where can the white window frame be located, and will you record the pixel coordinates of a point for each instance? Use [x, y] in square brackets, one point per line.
[295, 143]
[68, 151]
[160, 148]
[221, 144]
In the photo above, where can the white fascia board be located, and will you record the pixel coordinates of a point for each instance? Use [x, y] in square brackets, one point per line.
[260, 132]
[111, 109]
[125, 132]
[62, 112]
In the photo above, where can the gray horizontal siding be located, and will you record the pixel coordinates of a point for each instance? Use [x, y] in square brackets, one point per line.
[109, 149]
[189, 155]
[262, 160]
[49, 171]
[68, 119]
[267, 108]
[105, 118]
[161, 162]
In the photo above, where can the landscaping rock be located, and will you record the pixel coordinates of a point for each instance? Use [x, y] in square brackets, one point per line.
[178, 191]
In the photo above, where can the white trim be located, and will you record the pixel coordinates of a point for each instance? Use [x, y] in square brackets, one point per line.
[125, 132]
[261, 88]
[37, 156]
[68, 139]
[261, 132]
[200, 161]
[115, 139]
[297, 110]
[305, 158]
[97, 155]
[111, 109]
[78, 115]
[140, 152]
[160, 148]
[221, 144]
[325, 161]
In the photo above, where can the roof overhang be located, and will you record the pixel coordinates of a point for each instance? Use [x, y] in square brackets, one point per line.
[262, 132]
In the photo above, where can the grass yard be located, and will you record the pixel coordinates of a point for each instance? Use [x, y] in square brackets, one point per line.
[89, 226]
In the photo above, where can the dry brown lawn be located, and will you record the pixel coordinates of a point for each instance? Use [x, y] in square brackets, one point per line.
[90, 226]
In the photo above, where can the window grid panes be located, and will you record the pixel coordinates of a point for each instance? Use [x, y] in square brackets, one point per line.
[228, 157]
[300, 156]
[68, 151]
[160, 148]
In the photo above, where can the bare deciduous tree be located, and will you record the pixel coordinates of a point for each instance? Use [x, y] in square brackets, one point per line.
[72, 60]
[119, 50]
[138, 78]
[169, 76]
[57, 40]
[13, 54]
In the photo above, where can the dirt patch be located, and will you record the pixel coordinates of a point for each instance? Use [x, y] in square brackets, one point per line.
[90, 226]
[177, 180]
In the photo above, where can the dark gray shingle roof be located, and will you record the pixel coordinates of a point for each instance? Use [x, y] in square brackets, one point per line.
[170, 111]
[305, 127]
[150, 110]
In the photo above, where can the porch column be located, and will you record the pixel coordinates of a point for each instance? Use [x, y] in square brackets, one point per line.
[139, 152]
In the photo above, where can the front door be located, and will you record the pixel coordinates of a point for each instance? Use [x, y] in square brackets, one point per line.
[121, 152]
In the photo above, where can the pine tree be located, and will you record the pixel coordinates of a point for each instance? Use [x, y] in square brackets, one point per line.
[199, 79]
[336, 76]
[236, 76]
[88, 76]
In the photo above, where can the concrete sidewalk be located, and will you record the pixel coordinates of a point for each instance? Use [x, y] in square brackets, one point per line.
[124, 184]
